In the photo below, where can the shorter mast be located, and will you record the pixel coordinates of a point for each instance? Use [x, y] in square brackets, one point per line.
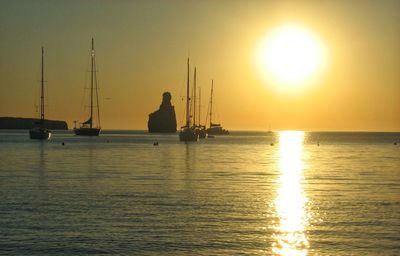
[212, 88]
[194, 98]
[199, 105]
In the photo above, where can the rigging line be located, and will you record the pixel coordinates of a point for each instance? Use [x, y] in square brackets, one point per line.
[191, 100]
[182, 97]
[83, 100]
[97, 92]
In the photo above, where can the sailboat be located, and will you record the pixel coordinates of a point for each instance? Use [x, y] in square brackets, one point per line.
[214, 129]
[87, 128]
[41, 132]
[187, 132]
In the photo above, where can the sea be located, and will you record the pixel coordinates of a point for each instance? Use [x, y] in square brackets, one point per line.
[248, 193]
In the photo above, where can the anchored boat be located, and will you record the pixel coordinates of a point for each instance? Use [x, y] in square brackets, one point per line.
[188, 132]
[88, 128]
[214, 129]
[41, 132]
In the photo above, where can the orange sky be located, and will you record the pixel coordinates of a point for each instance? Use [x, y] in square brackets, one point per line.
[142, 49]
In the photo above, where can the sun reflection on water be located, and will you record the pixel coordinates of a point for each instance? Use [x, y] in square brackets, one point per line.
[290, 204]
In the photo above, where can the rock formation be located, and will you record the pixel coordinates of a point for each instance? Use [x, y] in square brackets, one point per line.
[29, 123]
[164, 119]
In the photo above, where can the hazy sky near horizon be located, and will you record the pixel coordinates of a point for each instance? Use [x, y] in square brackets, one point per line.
[142, 48]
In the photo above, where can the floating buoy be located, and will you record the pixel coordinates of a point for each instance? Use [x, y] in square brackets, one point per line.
[155, 143]
[62, 143]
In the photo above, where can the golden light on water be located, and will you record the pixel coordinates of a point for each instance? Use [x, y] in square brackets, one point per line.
[290, 203]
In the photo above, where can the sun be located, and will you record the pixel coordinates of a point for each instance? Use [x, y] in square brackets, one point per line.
[290, 56]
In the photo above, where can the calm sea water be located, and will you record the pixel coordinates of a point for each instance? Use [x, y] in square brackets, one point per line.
[287, 193]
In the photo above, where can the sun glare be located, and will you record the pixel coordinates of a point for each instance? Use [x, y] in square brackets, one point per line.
[290, 56]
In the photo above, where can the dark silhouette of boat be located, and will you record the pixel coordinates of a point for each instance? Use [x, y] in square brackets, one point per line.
[199, 129]
[87, 128]
[41, 132]
[188, 132]
[214, 129]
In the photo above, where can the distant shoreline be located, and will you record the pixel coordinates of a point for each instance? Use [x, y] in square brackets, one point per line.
[23, 123]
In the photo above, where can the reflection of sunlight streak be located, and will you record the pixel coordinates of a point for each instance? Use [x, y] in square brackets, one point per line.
[290, 237]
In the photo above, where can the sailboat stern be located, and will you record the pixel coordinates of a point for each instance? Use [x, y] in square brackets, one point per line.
[40, 134]
[86, 131]
[188, 134]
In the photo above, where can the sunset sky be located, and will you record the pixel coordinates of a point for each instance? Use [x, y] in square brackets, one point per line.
[142, 48]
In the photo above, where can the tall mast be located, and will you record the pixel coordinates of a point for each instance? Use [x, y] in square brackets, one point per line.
[194, 98]
[187, 97]
[91, 83]
[199, 105]
[212, 88]
[42, 91]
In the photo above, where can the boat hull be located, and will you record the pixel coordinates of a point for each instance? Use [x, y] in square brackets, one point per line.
[87, 131]
[217, 131]
[188, 135]
[39, 134]
[202, 133]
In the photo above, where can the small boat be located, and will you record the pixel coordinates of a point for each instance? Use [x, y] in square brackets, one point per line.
[41, 132]
[201, 131]
[87, 128]
[187, 132]
[214, 129]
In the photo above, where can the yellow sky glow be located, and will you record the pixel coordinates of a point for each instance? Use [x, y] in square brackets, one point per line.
[345, 76]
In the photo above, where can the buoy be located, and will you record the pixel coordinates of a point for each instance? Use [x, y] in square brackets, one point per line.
[62, 143]
[155, 143]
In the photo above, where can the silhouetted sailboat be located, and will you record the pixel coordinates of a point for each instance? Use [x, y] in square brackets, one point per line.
[187, 132]
[87, 128]
[199, 130]
[214, 129]
[41, 132]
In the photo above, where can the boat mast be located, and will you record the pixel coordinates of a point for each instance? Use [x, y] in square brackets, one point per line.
[91, 83]
[199, 105]
[187, 97]
[194, 98]
[212, 88]
[42, 91]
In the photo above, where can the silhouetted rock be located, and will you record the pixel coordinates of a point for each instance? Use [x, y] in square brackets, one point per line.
[29, 123]
[164, 119]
